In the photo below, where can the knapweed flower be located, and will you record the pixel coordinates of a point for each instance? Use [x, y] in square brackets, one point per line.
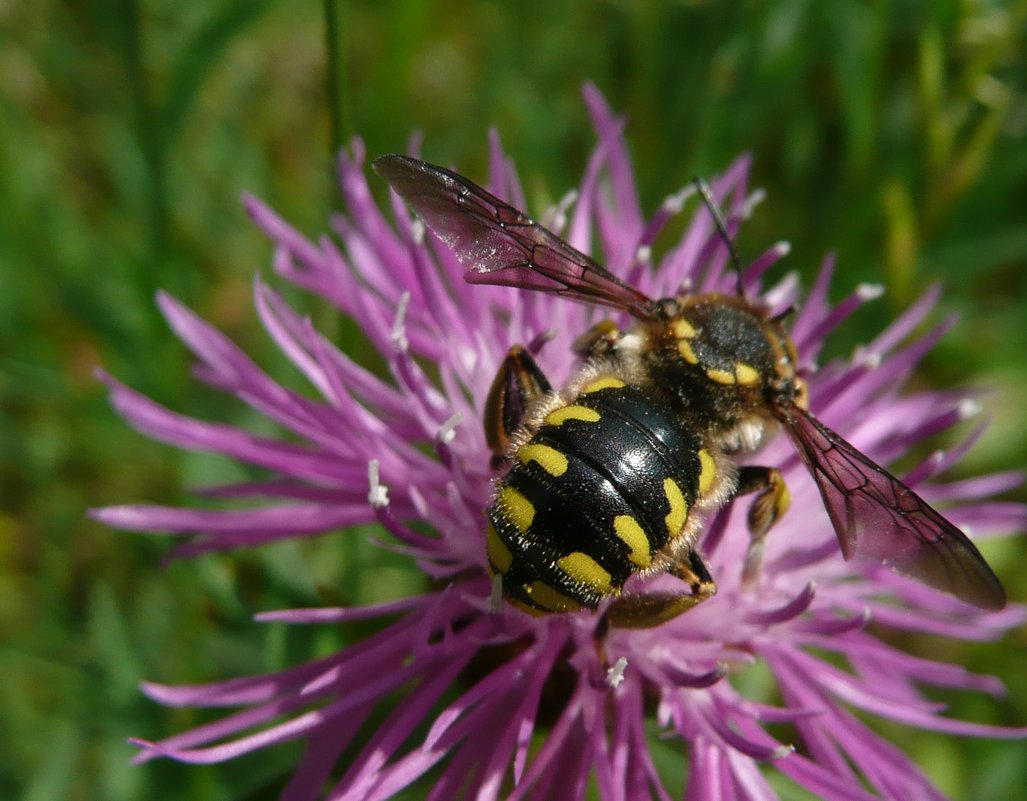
[487, 700]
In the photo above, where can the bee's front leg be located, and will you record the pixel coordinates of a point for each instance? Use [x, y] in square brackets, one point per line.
[598, 340]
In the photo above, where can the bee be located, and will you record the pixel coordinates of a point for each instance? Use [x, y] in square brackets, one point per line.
[612, 474]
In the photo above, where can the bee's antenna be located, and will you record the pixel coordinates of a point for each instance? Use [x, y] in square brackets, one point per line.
[718, 220]
[781, 316]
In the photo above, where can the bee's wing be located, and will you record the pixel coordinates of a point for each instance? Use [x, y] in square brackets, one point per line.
[500, 245]
[879, 518]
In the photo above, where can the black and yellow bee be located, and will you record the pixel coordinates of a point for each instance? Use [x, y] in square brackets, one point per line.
[613, 474]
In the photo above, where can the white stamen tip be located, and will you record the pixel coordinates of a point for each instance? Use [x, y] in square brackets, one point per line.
[869, 291]
[644, 254]
[968, 408]
[868, 358]
[782, 751]
[448, 430]
[417, 230]
[755, 198]
[378, 495]
[615, 674]
[399, 328]
[556, 218]
[782, 248]
[673, 204]
[496, 596]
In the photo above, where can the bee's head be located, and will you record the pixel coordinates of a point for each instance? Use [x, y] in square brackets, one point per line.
[786, 387]
[746, 357]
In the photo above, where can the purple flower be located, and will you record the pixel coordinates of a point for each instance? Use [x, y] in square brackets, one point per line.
[540, 707]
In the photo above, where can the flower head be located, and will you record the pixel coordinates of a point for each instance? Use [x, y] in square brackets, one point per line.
[498, 703]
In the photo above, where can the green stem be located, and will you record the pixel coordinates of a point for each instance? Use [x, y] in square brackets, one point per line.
[151, 141]
[336, 100]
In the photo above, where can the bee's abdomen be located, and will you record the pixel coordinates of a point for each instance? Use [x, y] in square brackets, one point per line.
[592, 497]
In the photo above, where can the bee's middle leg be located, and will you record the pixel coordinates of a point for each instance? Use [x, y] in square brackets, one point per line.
[519, 383]
[771, 502]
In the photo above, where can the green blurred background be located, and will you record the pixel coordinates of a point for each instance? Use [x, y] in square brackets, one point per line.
[893, 132]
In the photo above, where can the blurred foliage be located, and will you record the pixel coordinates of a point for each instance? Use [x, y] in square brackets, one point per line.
[892, 132]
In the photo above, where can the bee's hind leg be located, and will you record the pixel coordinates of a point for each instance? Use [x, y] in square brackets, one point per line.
[646, 610]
